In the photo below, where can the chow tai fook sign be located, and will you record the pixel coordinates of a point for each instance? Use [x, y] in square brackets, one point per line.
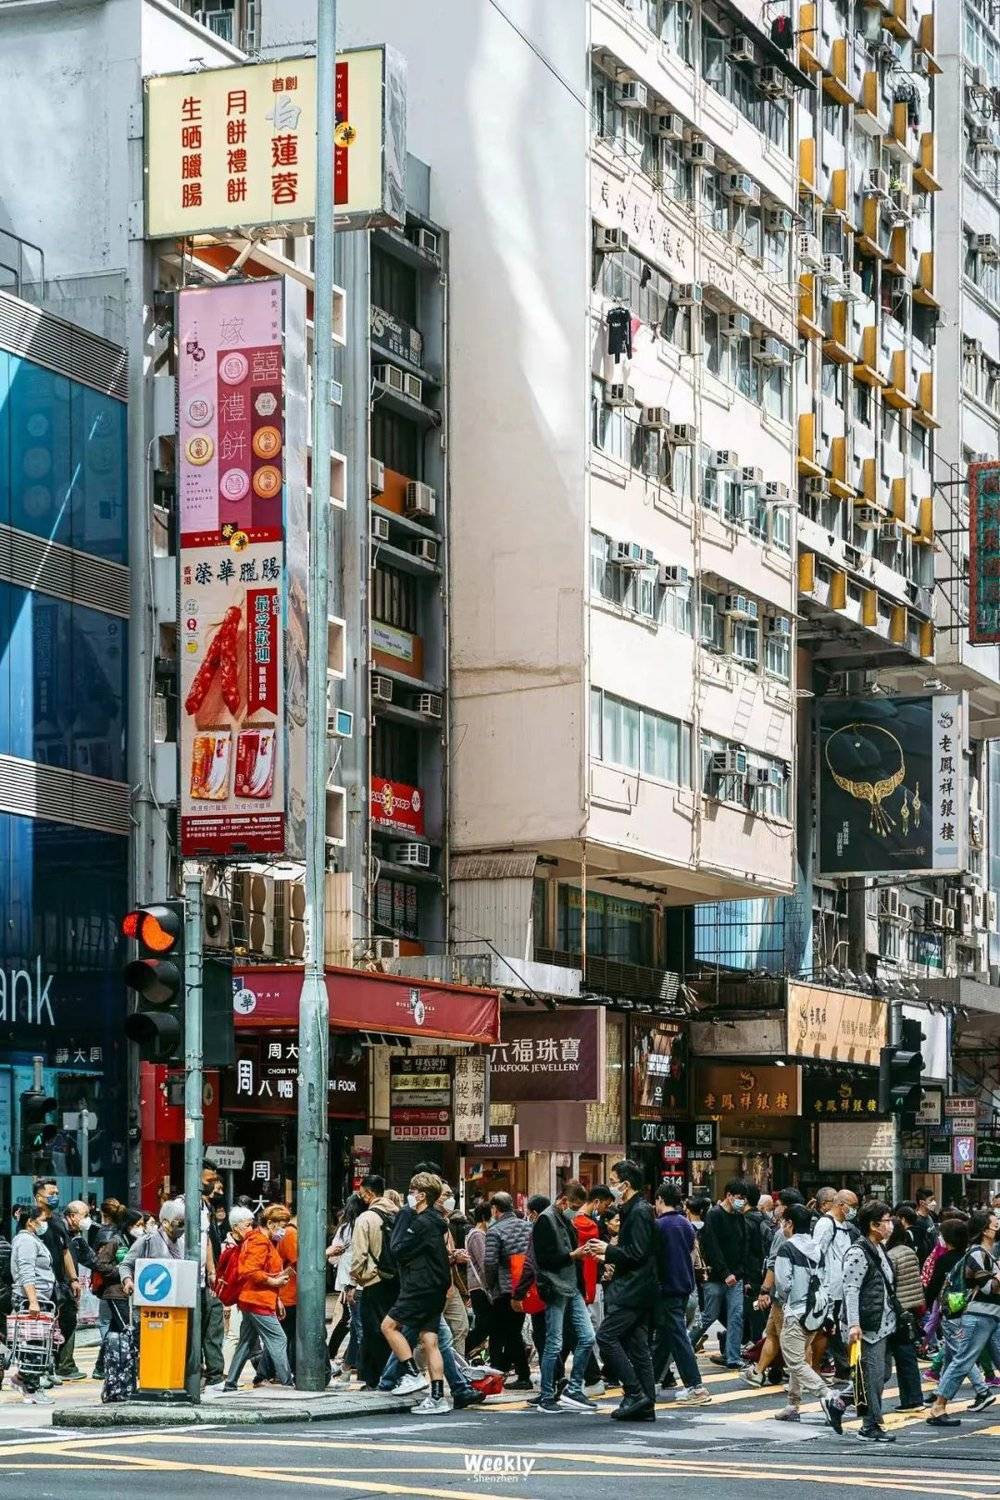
[893, 785]
[233, 149]
[242, 626]
[728, 1091]
[265, 1079]
[984, 554]
[265, 998]
[396, 805]
[554, 1055]
[834, 1026]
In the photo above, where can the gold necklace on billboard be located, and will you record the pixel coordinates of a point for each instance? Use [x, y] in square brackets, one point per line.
[875, 793]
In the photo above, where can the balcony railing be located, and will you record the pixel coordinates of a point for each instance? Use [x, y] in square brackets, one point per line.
[610, 976]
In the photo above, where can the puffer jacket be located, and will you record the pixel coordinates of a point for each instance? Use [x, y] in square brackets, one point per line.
[505, 1237]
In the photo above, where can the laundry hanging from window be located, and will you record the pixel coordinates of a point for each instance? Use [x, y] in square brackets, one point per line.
[619, 333]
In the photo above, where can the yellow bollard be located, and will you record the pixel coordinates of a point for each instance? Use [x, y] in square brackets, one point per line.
[163, 1336]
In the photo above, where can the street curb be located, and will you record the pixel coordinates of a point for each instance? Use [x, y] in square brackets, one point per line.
[213, 1413]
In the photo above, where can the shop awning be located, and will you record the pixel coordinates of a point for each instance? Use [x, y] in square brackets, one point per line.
[268, 996]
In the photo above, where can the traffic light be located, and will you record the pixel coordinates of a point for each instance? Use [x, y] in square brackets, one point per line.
[900, 1067]
[217, 1030]
[157, 977]
[37, 1130]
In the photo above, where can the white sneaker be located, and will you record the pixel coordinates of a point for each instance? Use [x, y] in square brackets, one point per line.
[216, 1389]
[695, 1395]
[432, 1407]
[409, 1384]
[597, 1389]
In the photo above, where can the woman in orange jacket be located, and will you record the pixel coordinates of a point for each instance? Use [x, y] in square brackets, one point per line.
[260, 1278]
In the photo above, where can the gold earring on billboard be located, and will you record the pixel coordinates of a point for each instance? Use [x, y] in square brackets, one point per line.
[917, 805]
[904, 814]
[875, 793]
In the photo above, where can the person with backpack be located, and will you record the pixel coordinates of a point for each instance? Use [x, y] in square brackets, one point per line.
[277, 1223]
[105, 1279]
[909, 1316]
[802, 1293]
[970, 1297]
[870, 1313]
[834, 1232]
[374, 1284]
[259, 1278]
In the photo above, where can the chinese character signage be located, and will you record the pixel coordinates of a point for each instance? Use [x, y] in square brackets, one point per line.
[396, 805]
[729, 1090]
[471, 1096]
[988, 1154]
[893, 785]
[984, 554]
[835, 1026]
[659, 1073]
[963, 1149]
[231, 475]
[420, 1098]
[867, 1146]
[502, 1141]
[235, 148]
[555, 1055]
[842, 1096]
[265, 1079]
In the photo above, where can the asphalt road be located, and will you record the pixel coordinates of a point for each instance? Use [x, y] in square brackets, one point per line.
[729, 1451]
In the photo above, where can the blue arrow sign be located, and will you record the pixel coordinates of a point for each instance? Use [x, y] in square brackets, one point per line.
[154, 1283]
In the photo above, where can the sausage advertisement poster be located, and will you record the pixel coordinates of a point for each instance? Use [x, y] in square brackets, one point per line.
[231, 495]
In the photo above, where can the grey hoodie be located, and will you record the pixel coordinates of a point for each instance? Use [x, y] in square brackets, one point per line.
[31, 1265]
[791, 1281]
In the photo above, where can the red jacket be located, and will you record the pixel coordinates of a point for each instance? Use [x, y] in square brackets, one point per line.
[586, 1229]
[258, 1260]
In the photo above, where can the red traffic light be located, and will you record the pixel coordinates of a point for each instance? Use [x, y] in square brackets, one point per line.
[156, 928]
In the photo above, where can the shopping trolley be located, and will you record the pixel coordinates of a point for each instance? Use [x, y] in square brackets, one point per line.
[31, 1338]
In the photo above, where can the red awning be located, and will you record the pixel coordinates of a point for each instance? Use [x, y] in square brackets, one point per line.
[360, 1001]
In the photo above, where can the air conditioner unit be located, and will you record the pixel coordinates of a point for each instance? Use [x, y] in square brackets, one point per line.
[817, 486]
[617, 394]
[421, 500]
[892, 902]
[922, 64]
[632, 555]
[670, 127]
[427, 550]
[741, 187]
[988, 247]
[725, 458]
[853, 287]
[376, 476]
[380, 529]
[982, 136]
[877, 182]
[775, 489]
[381, 688]
[937, 912]
[991, 910]
[739, 607]
[771, 81]
[631, 94]
[810, 252]
[952, 897]
[979, 80]
[729, 762]
[389, 375]
[750, 474]
[965, 914]
[609, 241]
[673, 575]
[868, 518]
[892, 531]
[737, 326]
[779, 221]
[416, 855]
[688, 294]
[289, 919]
[898, 286]
[949, 919]
[978, 909]
[385, 949]
[778, 625]
[428, 240]
[682, 434]
[765, 776]
[833, 268]
[741, 50]
[700, 153]
[656, 417]
[413, 387]
[216, 924]
[901, 207]
[429, 704]
[770, 352]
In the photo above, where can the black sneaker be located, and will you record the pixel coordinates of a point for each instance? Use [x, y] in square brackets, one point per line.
[876, 1435]
[471, 1397]
[982, 1401]
[669, 1381]
[548, 1405]
[519, 1385]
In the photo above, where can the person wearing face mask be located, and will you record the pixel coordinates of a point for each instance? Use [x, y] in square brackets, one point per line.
[45, 1191]
[374, 1275]
[260, 1279]
[507, 1236]
[724, 1249]
[165, 1242]
[834, 1234]
[631, 1295]
[277, 1225]
[121, 1227]
[418, 1245]
[923, 1229]
[33, 1279]
[869, 1310]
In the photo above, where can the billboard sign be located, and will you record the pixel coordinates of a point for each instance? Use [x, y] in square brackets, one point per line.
[231, 474]
[893, 786]
[555, 1055]
[836, 1026]
[234, 149]
[420, 1098]
[397, 806]
[984, 554]
[659, 1069]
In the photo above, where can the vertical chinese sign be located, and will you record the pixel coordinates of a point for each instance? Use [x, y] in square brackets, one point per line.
[231, 440]
[420, 1098]
[984, 554]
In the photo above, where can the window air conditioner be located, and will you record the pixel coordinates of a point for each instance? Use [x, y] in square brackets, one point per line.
[376, 476]
[771, 81]
[380, 529]
[429, 704]
[780, 221]
[384, 949]
[413, 387]
[656, 417]
[810, 252]
[631, 95]
[988, 247]
[853, 287]
[729, 762]
[390, 376]
[700, 153]
[750, 474]
[741, 187]
[673, 575]
[427, 550]
[817, 486]
[868, 518]
[417, 855]
[775, 489]
[965, 914]
[609, 241]
[892, 532]
[765, 776]
[421, 500]
[381, 688]
[937, 912]
[616, 394]
[778, 625]
[739, 607]
[991, 910]
[737, 326]
[978, 909]
[670, 127]
[429, 241]
[877, 182]
[688, 294]
[770, 352]
[979, 80]
[682, 434]
[632, 555]
[833, 268]
[725, 458]
[741, 50]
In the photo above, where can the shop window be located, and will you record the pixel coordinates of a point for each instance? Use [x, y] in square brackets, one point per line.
[616, 929]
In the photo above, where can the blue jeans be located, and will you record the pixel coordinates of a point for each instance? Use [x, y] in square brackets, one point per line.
[725, 1305]
[583, 1342]
[456, 1380]
[968, 1336]
[672, 1341]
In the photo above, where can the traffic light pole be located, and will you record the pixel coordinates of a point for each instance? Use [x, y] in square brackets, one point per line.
[895, 1039]
[194, 1124]
[312, 1367]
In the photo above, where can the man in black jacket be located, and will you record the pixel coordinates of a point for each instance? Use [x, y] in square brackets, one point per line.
[630, 1296]
[724, 1251]
[418, 1246]
[557, 1254]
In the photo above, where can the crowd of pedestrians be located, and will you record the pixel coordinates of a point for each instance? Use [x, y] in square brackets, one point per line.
[600, 1286]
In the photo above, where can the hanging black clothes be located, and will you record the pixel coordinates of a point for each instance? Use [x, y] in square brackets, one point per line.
[783, 33]
[619, 333]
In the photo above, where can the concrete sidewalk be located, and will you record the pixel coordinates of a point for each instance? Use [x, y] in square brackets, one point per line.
[243, 1409]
